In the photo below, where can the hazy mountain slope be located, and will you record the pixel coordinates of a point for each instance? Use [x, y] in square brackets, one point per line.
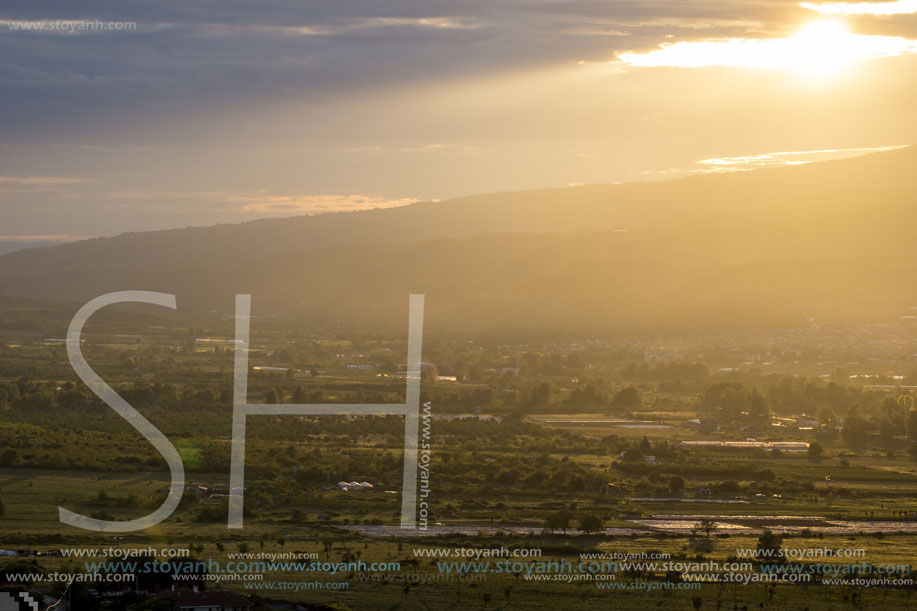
[760, 247]
[806, 191]
[8, 246]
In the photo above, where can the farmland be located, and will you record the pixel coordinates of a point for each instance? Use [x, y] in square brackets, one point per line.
[584, 448]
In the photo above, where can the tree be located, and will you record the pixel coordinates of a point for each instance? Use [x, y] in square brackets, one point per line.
[577, 484]
[626, 398]
[559, 520]
[429, 373]
[586, 395]
[854, 422]
[645, 446]
[541, 394]
[826, 416]
[912, 424]
[759, 405]
[890, 406]
[697, 601]
[590, 524]
[769, 545]
[887, 427]
[300, 395]
[9, 457]
[816, 450]
[677, 484]
[708, 526]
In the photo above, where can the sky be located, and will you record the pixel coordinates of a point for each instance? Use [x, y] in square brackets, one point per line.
[121, 115]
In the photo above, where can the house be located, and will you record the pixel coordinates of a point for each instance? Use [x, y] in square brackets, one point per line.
[703, 424]
[613, 488]
[361, 484]
[807, 422]
[347, 486]
[662, 355]
[789, 446]
[200, 491]
[192, 599]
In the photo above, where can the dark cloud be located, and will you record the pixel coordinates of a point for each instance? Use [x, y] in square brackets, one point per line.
[206, 54]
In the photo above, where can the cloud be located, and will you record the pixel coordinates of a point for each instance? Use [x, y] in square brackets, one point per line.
[54, 237]
[691, 23]
[593, 30]
[320, 29]
[224, 55]
[426, 148]
[419, 148]
[38, 188]
[261, 202]
[316, 203]
[897, 7]
[436, 23]
[785, 158]
[218, 55]
[823, 45]
[40, 180]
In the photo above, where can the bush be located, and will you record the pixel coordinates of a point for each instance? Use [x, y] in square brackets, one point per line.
[728, 487]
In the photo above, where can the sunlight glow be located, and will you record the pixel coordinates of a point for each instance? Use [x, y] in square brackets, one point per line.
[897, 7]
[819, 47]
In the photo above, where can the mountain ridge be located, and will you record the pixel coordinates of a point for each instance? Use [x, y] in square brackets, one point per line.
[688, 252]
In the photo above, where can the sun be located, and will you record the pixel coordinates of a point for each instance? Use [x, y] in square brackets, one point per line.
[820, 48]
